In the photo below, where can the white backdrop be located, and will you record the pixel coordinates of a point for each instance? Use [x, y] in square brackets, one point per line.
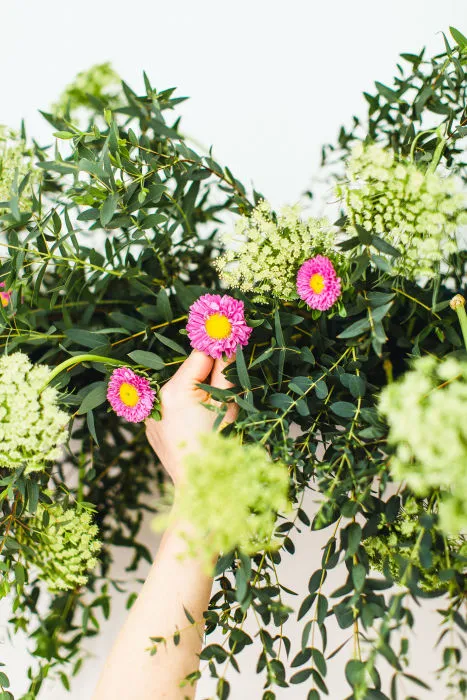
[270, 82]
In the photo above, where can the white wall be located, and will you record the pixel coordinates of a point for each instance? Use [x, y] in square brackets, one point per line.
[270, 82]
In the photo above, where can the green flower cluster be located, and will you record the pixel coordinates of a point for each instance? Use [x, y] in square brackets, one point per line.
[417, 213]
[16, 161]
[231, 497]
[267, 249]
[425, 412]
[99, 81]
[397, 544]
[63, 545]
[32, 426]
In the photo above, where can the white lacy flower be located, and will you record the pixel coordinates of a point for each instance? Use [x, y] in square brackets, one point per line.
[267, 250]
[63, 550]
[417, 213]
[32, 426]
[16, 161]
[425, 411]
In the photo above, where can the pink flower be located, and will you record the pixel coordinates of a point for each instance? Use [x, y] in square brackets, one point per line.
[130, 395]
[4, 296]
[216, 325]
[317, 283]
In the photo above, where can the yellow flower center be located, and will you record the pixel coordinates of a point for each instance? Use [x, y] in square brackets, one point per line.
[218, 326]
[4, 298]
[317, 283]
[128, 394]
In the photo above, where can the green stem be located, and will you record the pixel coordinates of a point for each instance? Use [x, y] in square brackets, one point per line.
[414, 142]
[76, 359]
[462, 316]
[438, 152]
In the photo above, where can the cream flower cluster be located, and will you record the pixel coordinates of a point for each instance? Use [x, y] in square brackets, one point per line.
[396, 545]
[16, 161]
[100, 81]
[267, 250]
[232, 502]
[425, 411]
[65, 549]
[417, 213]
[32, 426]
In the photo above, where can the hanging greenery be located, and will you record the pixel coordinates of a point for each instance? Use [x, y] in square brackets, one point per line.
[111, 240]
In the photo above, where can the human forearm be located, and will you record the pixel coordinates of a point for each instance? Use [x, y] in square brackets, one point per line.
[172, 585]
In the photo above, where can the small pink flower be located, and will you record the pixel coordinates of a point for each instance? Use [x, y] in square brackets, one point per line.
[317, 283]
[216, 325]
[4, 296]
[130, 395]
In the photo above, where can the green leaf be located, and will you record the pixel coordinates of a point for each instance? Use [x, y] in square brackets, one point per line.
[301, 676]
[306, 605]
[147, 359]
[93, 398]
[379, 313]
[354, 536]
[343, 409]
[385, 247]
[223, 689]
[86, 338]
[63, 134]
[356, 328]
[108, 209]
[242, 370]
[355, 672]
[321, 389]
[170, 343]
[459, 38]
[322, 609]
[358, 576]
[301, 658]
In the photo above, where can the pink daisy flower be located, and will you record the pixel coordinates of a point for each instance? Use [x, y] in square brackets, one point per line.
[4, 296]
[317, 283]
[216, 325]
[130, 395]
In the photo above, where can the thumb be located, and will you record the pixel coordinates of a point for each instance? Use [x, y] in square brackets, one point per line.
[196, 368]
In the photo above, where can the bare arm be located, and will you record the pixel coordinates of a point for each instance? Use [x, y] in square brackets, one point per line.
[172, 584]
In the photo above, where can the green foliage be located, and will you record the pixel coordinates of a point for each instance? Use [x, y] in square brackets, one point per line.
[115, 242]
[222, 523]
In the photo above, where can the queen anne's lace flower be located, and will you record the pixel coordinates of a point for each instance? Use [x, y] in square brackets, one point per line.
[99, 81]
[396, 544]
[130, 395]
[425, 410]
[417, 213]
[231, 496]
[267, 250]
[16, 161]
[216, 325]
[32, 426]
[64, 549]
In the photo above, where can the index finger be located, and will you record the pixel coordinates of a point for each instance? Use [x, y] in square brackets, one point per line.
[218, 378]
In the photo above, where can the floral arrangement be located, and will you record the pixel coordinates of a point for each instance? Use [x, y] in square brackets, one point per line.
[112, 268]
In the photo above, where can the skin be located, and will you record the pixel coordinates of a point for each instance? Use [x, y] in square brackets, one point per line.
[172, 584]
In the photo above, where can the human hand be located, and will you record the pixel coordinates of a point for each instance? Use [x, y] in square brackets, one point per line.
[184, 413]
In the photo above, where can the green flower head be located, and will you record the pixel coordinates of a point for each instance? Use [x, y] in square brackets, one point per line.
[267, 250]
[425, 411]
[231, 496]
[32, 426]
[99, 81]
[16, 162]
[62, 545]
[417, 213]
